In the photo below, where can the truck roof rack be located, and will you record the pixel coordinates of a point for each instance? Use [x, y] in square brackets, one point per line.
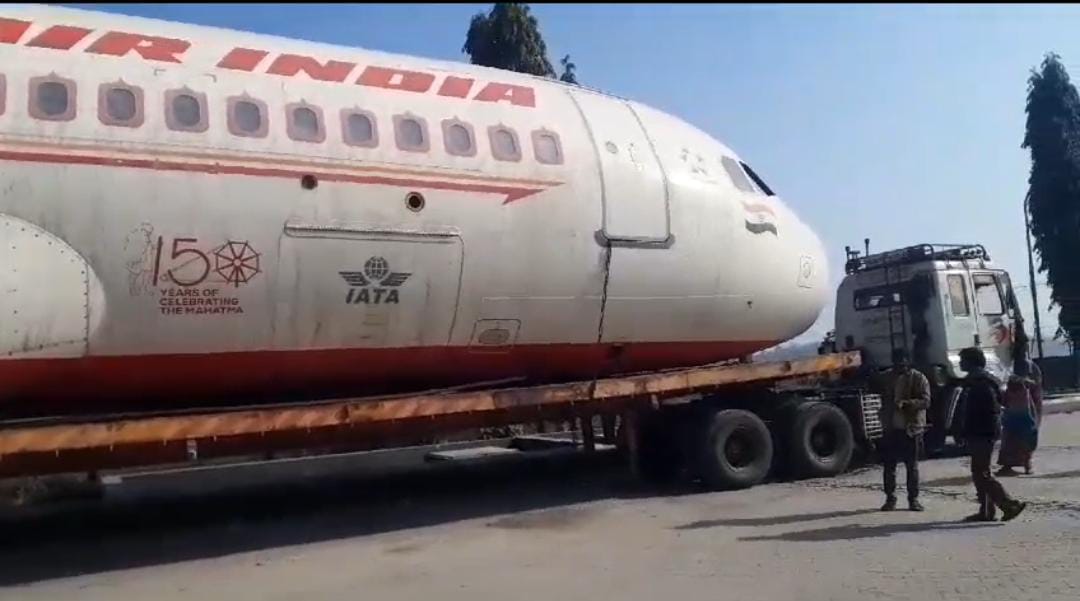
[914, 254]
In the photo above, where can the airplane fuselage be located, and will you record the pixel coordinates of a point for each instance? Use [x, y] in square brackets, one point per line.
[191, 215]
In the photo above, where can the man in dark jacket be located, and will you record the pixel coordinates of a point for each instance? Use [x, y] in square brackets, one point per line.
[905, 398]
[982, 428]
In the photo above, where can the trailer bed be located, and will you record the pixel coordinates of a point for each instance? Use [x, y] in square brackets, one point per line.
[86, 444]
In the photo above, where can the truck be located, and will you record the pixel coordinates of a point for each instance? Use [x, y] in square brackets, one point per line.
[931, 300]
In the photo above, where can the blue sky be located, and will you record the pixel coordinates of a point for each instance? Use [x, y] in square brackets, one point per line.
[898, 123]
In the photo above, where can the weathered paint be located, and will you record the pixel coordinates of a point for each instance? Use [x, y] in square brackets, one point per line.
[64, 437]
[219, 257]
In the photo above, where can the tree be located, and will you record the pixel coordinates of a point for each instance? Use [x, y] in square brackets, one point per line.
[568, 70]
[1053, 137]
[508, 38]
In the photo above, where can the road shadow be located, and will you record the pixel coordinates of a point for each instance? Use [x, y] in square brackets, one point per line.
[105, 536]
[774, 520]
[859, 531]
[950, 481]
[1054, 475]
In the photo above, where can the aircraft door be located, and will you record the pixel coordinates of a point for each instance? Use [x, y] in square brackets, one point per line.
[634, 189]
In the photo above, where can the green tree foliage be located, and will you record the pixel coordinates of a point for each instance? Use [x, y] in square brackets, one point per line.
[508, 38]
[568, 70]
[1053, 137]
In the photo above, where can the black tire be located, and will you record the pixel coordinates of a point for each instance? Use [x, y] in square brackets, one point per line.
[820, 441]
[733, 450]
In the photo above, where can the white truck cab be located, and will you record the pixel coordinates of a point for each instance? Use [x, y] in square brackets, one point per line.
[932, 300]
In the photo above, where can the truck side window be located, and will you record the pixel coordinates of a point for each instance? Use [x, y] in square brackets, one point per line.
[958, 295]
[878, 297]
[987, 294]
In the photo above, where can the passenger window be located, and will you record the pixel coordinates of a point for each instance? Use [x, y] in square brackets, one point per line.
[52, 98]
[546, 147]
[247, 117]
[757, 180]
[736, 174]
[358, 128]
[120, 105]
[458, 137]
[411, 133]
[987, 294]
[504, 143]
[305, 123]
[185, 110]
[958, 296]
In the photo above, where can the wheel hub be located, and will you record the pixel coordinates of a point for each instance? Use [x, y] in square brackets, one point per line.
[823, 441]
[739, 450]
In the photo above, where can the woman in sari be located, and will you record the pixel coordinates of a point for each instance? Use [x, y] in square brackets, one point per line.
[1019, 425]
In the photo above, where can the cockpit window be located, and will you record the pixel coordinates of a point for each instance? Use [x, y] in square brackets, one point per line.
[757, 180]
[736, 174]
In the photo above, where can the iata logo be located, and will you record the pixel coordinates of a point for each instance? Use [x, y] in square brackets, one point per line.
[376, 285]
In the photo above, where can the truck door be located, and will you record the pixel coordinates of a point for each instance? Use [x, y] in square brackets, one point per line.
[993, 322]
[634, 191]
[996, 317]
[959, 316]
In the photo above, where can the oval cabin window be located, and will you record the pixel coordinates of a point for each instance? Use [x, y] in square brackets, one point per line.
[358, 128]
[305, 123]
[547, 148]
[248, 117]
[504, 144]
[411, 133]
[459, 139]
[52, 98]
[186, 110]
[120, 104]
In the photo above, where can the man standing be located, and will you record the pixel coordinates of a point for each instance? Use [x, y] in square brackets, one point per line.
[982, 427]
[906, 398]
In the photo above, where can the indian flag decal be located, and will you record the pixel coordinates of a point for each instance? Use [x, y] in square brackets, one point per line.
[760, 218]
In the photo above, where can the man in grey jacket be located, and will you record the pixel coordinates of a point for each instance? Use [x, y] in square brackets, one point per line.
[904, 403]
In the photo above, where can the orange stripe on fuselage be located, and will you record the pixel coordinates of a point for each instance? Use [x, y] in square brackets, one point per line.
[275, 161]
[509, 192]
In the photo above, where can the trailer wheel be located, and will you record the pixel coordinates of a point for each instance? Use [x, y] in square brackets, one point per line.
[734, 450]
[821, 441]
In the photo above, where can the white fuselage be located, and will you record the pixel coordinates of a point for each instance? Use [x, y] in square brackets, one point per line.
[191, 214]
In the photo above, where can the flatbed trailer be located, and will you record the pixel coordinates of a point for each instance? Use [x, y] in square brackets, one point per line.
[709, 418]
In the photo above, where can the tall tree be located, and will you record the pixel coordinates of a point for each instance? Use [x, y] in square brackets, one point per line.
[509, 38]
[1053, 137]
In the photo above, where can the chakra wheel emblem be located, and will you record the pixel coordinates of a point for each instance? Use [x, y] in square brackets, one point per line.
[236, 262]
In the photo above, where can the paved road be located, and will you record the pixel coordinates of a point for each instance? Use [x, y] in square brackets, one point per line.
[561, 529]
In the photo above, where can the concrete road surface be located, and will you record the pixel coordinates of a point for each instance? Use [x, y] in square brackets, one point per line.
[563, 529]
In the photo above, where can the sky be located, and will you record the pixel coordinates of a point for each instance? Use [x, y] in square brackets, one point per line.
[898, 123]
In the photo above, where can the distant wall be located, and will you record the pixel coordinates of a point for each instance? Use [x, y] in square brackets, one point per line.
[1058, 372]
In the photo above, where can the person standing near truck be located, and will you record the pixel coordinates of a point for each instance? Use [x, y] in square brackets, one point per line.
[982, 428]
[905, 400]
